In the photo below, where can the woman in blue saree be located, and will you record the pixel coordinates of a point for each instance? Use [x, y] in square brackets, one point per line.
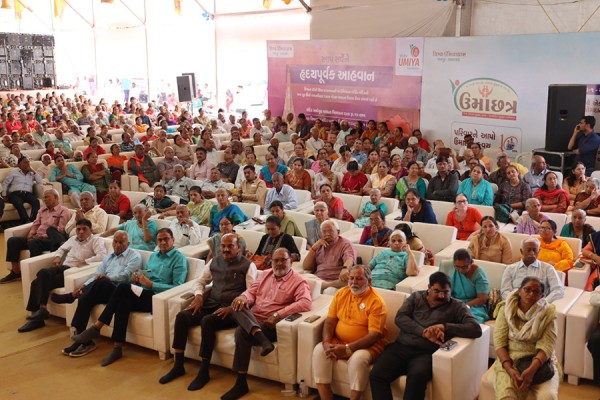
[470, 284]
[224, 208]
[376, 234]
[266, 172]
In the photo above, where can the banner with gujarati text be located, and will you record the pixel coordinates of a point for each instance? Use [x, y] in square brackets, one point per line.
[357, 79]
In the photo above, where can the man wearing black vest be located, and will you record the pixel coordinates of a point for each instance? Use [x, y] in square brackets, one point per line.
[231, 274]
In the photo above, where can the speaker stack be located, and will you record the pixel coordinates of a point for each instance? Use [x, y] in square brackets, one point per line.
[26, 61]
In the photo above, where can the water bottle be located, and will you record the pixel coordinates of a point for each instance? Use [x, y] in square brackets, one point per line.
[302, 389]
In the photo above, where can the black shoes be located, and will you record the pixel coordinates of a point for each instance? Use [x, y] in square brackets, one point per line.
[12, 276]
[32, 325]
[66, 298]
[39, 315]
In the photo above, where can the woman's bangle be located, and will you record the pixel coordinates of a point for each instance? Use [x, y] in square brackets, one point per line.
[505, 361]
[538, 360]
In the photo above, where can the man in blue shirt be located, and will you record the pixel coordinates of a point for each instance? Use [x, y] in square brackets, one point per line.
[282, 192]
[585, 143]
[165, 269]
[117, 267]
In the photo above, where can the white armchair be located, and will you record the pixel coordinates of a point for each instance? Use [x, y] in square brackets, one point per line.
[150, 330]
[582, 320]
[456, 373]
[280, 365]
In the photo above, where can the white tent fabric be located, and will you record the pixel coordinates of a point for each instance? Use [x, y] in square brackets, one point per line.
[332, 19]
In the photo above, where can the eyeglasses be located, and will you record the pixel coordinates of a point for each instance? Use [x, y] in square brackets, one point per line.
[536, 292]
[461, 201]
[279, 260]
[545, 228]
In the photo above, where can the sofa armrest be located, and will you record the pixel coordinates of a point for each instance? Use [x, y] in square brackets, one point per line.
[176, 304]
[582, 319]
[413, 283]
[29, 269]
[562, 308]
[38, 190]
[578, 277]
[353, 235]
[457, 373]
[160, 316]
[17, 231]
[196, 251]
[309, 335]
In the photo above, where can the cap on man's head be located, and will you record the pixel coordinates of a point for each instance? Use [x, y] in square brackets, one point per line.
[413, 140]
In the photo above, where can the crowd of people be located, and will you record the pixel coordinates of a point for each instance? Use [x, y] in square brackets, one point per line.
[210, 163]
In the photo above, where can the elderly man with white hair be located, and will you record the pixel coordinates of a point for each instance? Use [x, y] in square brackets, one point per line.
[180, 184]
[91, 211]
[282, 192]
[330, 257]
[185, 231]
[531, 266]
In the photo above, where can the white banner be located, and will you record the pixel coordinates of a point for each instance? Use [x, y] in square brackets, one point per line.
[497, 87]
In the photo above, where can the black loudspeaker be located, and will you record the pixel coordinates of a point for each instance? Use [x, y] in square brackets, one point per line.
[47, 82]
[566, 106]
[193, 76]
[184, 88]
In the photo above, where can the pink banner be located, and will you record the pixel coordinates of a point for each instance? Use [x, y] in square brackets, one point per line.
[358, 79]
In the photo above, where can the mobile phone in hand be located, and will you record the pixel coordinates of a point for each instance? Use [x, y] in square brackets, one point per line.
[449, 345]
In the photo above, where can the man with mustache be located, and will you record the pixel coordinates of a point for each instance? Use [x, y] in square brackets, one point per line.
[354, 330]
[427, 319]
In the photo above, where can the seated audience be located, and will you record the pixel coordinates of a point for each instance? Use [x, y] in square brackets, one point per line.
[271, 241]
[535, 177]
[577, 228]
[415, 242]
[168, 163]
[514, 274]
[116, 162]
[439, 318]
[214, 242]
[17, 189]
[179, 185]
[554, 251]
[287, 224]
[514, 189]
[97, 175]
[143, 167]
[464, 218]
[116, 203]
[116, 268]
[159, 202]
[354, 180]
[588, 199]
[489, 244]
[354, 330]
[575, 182]
[298, 178]
[552, 198]
[224, 208]
[281, 192]
[476, 189]
[330, 257]
[313, 227]
[325, 176]
[166, 268]
[201, 169]
[469, 284]
[382, 180]
[266, 173]
[78, 251]
[411, 181]
[375, 203]
[210, 186]
[529, 222]
[444, 185]
[391, 266]
[372, 164]
[341, 164]
[417, 209]
[211, 308]
[525, 354]
[252, 189]
[94, 147]
[334, 204]
[376, 234]
[70, 176]
[257, 313]
[141, 231]
[90, 211]
[185, 231]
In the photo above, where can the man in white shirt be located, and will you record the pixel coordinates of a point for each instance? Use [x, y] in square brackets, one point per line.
[80, 250]
[90, 211]
[284, 135]
[211, 152]
[531, 266]
[268, 121]
[185, 231]
[282, 192]
[209, 187]
[263, 130]
[344, 131]
[314, 143]
[250, 160]
[228, 125]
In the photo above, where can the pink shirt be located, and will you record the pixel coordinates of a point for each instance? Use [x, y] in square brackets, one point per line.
[56, 217]
[202, 171]
[330, 259]
[286, 296]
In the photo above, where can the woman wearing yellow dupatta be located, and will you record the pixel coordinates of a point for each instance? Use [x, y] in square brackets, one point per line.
[554, 250]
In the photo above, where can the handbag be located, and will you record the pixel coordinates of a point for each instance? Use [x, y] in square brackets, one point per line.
[261, 262]
[543, 374]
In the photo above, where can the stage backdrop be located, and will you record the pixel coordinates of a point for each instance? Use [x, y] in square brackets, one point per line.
[359, 79]
[497, 87]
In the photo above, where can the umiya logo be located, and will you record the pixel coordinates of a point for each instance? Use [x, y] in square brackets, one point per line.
[414, 50]
[485, 98]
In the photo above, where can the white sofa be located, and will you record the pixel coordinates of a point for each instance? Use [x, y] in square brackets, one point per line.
[150, 330]
[455, 373]
[582, 320]
[280, 365]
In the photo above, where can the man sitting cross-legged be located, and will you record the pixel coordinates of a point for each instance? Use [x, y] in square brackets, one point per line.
[116, 268]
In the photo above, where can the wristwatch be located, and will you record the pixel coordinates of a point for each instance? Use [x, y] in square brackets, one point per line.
[276, 315]
[348, 349]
